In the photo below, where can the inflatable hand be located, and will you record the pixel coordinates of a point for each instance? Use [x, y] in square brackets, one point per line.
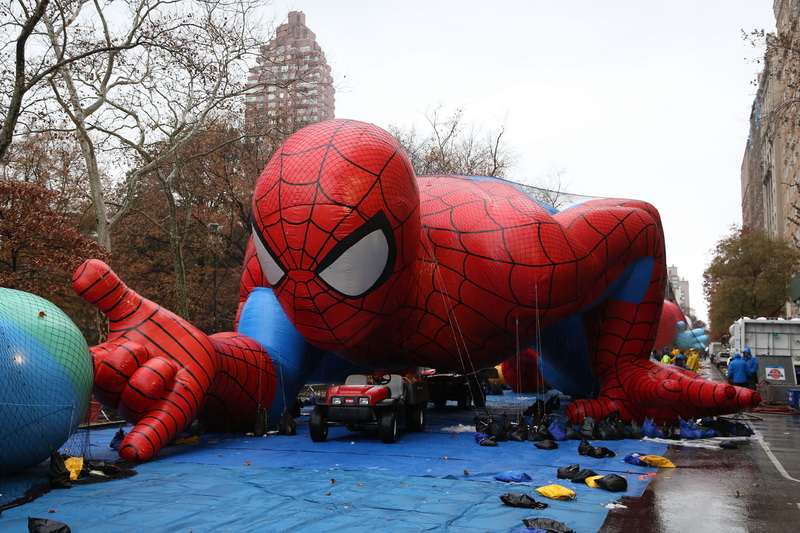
[694, 338]
[639, 389]
[154, 368]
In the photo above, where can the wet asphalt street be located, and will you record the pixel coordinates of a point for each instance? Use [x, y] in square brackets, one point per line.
[753, 488]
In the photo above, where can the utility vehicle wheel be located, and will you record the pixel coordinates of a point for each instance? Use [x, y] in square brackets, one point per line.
[415, 418]
[318, 425]
[388, 428]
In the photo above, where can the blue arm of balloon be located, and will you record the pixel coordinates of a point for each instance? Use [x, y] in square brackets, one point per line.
[295, 359]
[694, 338]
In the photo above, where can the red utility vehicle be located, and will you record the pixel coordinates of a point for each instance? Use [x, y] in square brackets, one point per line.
[387, 401]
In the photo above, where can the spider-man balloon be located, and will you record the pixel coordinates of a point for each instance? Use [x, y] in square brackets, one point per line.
[391, 270]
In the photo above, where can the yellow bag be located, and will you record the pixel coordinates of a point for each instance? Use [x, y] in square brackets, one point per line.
[591, 481]
[556, 492]
[74, 465]
[656, 460]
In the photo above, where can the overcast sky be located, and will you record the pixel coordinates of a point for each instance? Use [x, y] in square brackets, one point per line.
[628, 98]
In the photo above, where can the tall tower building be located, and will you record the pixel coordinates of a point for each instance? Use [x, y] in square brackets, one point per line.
[291, 83]
[680, 288]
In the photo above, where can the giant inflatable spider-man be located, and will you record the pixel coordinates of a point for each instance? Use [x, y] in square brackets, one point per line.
[352, 253]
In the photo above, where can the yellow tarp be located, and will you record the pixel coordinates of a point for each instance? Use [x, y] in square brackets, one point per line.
[74, 465]
[591, 481]
[656, 460]
[556, 492]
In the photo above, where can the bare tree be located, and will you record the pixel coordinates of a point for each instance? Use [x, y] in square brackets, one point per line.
[551, 189]
[134, 109]
[126, 105]
[453, 147]
[26, 58]
[30, 17]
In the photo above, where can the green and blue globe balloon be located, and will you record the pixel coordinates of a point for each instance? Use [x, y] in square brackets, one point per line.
[46, 376]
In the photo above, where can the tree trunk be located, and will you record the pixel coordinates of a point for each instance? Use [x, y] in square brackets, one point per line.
[176, 233]
[95, 187]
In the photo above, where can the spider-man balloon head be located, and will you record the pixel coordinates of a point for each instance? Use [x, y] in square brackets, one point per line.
[337, 228]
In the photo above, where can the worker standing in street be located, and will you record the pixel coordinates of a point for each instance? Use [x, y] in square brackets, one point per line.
[752, 368]
[737, 371]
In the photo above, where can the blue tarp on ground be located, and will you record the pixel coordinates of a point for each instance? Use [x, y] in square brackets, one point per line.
[437, 480]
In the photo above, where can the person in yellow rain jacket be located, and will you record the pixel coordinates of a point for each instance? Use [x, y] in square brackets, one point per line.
[674, 354]
[693, 361]
[665, 358]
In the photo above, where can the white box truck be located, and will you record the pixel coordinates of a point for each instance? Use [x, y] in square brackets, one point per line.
[776, 344]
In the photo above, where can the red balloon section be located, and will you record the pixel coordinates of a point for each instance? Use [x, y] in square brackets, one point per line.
[390, 270]
[522, 373]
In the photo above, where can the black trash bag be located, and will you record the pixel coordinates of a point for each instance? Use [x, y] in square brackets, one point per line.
[721, 426]
[552, 404]
[581, 476]
[496, 430]
[546, 444]
[584, 447]
[636, 431]
[505, 423]
[519, 433]
[547, 524]
[572, 433]
[489, 441]
[612, 483]
[608, 431]
[101, 471]
[43, 525]
[519, 430]
[671, 433]
[58, 475]
[707, 421]
[740, 430]
[589, 428]
[611, 427]
[482, 425]
[514, 499]
[536, 411]
[727, 428]
[261, 426]
[116, 440]
[597, 452]
[539, 433]
[568, 472]
[195, 429]
[287, 425]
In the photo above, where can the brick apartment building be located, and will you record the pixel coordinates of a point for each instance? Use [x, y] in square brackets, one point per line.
[291, 83]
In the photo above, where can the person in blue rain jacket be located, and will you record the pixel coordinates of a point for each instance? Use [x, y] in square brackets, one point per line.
[737, 371]
[752, 368]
